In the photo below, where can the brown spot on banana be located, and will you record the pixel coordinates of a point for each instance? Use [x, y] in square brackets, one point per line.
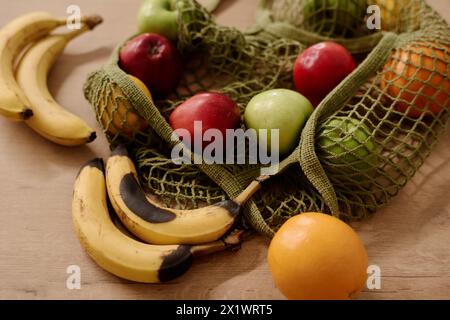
[134, 198]
[176, 263]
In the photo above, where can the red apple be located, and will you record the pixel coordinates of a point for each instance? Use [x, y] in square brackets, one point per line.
[154, 60]
[320, 68]
[214, 110]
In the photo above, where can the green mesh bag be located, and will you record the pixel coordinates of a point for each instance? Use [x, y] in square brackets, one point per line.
[361, 145]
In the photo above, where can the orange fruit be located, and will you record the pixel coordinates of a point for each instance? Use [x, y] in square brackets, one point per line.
[389, 13]
[118, 115]
[403, 12]
[418, 75]
[315, 256]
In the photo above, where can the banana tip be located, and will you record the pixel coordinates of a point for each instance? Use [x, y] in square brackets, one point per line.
[93, 21]
[26, 113]
[120, 150]
[92, 137]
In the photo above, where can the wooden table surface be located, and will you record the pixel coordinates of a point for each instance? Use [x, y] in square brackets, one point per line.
[409, 239]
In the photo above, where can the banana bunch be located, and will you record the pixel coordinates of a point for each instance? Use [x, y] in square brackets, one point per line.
[24, 96]
[144, 241]
[115, 250]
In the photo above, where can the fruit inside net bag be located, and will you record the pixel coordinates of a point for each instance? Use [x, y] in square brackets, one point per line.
[362, 144]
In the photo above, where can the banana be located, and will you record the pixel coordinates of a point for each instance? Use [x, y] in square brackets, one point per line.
[119, 254]
[155, 224]
[14, 37]
[50, 119]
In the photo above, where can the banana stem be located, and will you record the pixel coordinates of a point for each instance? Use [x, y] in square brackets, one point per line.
[231, 241]
[205, 249]
[92, 21]
[88, 23]
[252, 188]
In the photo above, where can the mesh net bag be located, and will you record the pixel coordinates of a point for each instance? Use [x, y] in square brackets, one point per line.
[361, 145]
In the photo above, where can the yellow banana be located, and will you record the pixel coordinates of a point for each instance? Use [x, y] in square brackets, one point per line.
[14, 37]
[154, 224]
[119, 254]
[50, 119]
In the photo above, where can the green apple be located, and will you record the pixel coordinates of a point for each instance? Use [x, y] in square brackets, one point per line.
[334, 17]
[159, 16]
[281, 109]
[347, 143]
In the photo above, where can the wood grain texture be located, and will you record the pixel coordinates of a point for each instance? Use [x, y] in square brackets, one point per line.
[409, 239]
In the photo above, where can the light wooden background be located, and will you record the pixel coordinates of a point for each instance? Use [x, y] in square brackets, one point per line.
[409, 239]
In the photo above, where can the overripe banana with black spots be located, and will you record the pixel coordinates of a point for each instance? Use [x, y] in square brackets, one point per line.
[50, 119]
[119, 254]
[158, 225]
[14, 37]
